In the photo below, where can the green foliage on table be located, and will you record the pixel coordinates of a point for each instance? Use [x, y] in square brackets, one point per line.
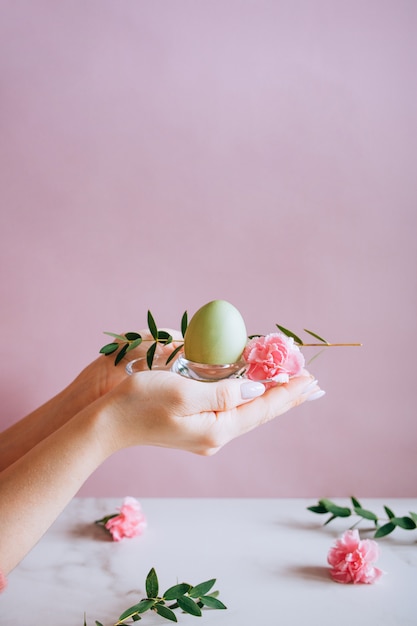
[382, 526]
[190, 599]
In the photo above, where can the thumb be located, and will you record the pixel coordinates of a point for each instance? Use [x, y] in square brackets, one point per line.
[227, 394]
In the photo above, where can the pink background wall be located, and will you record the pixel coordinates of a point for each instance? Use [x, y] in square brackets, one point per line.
[162, 154]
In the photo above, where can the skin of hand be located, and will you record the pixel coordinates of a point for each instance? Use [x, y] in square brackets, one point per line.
[150, 408]
[101, 376]
[177, 412]
[97, 379]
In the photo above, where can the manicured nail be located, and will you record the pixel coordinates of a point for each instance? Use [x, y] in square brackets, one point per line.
[315, 396]
[251, 390]
[310, 386]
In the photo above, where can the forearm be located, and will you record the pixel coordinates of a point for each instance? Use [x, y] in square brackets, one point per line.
[37, 487]
[154, 408]
[42, 422]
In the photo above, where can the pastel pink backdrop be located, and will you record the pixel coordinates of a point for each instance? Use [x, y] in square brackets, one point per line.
[162, 154]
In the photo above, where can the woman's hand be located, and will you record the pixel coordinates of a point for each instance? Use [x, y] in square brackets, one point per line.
[149, 408]
[94, 382]
[101, 376]
[163, 409]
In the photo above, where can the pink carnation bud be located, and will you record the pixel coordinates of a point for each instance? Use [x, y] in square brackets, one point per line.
[352, 559]
[130, 522]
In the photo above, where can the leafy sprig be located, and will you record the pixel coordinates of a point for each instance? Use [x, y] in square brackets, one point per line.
[383, 526]
[322, 342]
[131, 340]
[182, 596]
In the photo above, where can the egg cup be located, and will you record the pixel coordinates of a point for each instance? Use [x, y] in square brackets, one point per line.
[189, 369]
[141, 364]
[208, 373]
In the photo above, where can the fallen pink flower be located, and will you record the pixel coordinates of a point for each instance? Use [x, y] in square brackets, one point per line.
[352, 559]
[130, 522]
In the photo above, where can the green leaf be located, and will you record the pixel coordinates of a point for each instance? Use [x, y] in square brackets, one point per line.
[356, 502]
[121, 354]
[115, 335]
[289, 333]
[184, 323]
[174, 605]
[384, 530]
[134, 344]
[189, 606]
[164, 611]
[331, 518]
[404, 522]
[202, 589]
[413, 516]
[98, 623]
[152, 584]
[317, 508]
[337, 511]
[132, 336]
[136, 618]
[316, 356]
[103, 521]
[389, 512]
[145, 604]
[164, 337]
[173, 354]
[152, 326]
[141, 607]
[177, 590]
[132, 610]
[212, 603]
[150, 355]
[109, 348]
[365, 513]
[310, 332]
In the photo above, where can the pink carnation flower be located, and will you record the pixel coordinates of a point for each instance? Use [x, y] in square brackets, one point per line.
[352, 559]
[129, 523]
[275, 357]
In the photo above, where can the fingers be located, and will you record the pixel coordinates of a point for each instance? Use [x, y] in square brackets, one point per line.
[226, 415]
[193, 397]
[164, 409]
[276, 401]
[228, 394]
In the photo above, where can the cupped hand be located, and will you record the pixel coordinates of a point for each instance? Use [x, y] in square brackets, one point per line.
[101, 376]
[164, 409]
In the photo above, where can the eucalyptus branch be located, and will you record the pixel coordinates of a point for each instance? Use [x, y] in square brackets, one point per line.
[182, 596]
[390, 523]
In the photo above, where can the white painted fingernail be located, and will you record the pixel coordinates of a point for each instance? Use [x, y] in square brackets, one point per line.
[251, 390]
[315, 396]
[310, 385]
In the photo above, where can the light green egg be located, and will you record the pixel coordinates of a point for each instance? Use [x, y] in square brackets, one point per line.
[216, 334]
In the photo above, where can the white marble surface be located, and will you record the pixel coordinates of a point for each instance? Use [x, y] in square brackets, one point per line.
[269, 558]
